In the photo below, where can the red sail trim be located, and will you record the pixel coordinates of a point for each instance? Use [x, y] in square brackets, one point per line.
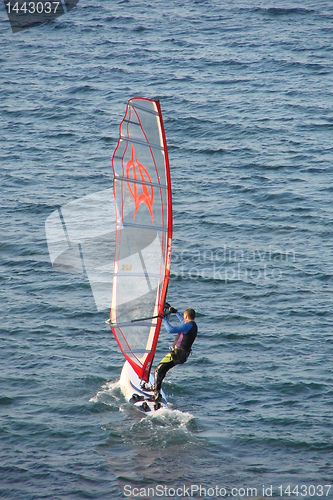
[129, 359]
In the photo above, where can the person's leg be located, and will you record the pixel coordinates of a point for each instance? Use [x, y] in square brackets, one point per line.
[160, 371]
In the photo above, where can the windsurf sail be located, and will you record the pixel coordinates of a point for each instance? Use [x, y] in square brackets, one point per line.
[142, 192]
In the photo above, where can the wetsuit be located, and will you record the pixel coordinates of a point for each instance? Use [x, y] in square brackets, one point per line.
[186, 334]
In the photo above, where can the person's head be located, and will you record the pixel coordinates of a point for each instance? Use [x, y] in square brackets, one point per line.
[189, 314]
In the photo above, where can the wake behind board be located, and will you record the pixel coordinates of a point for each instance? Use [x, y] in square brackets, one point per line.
[130, 385]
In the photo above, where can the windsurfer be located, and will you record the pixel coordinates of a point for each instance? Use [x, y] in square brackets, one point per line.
[180, 351]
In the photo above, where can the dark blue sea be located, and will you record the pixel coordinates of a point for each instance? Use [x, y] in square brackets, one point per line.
[246, 90]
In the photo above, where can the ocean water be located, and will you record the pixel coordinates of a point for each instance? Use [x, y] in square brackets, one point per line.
[246, 95]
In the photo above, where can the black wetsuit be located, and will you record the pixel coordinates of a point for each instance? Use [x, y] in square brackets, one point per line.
[186, 334]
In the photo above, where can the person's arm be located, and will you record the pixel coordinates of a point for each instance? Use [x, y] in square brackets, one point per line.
[183, 328]
[180, 316]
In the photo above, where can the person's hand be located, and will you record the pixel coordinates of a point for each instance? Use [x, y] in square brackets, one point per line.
[172, 310]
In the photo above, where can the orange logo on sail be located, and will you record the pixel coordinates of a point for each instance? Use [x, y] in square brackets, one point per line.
[147, 194]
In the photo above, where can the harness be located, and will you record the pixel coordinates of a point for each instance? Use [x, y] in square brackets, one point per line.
[179, 355]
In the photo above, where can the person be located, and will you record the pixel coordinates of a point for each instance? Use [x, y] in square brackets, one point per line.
[180, 351]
